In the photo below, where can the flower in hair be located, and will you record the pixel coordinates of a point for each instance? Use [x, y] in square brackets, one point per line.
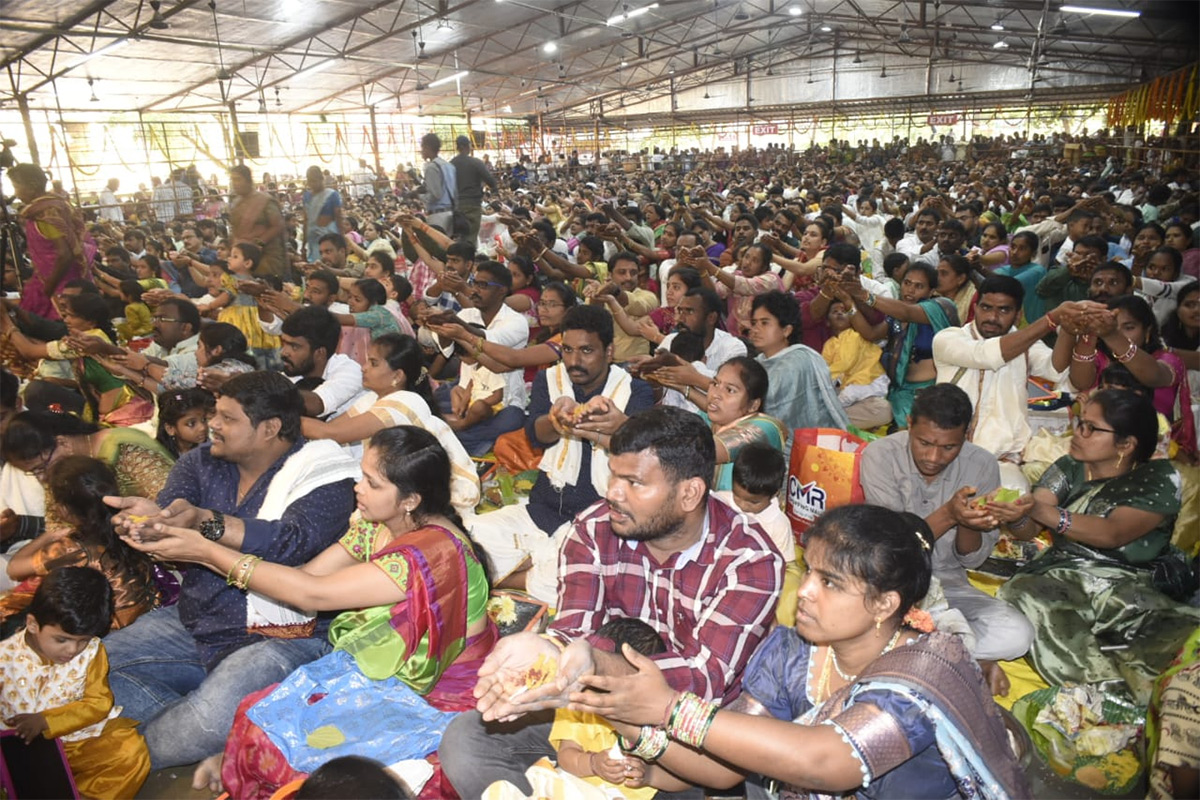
[919, 620]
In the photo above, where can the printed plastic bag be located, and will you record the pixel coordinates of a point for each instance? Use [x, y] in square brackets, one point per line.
[328, 709]
[824, 474]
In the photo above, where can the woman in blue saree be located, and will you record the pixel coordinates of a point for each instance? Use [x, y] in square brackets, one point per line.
[909, 328]
[849, 702]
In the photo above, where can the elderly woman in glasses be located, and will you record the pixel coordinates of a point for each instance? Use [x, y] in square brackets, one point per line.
[1103, 598]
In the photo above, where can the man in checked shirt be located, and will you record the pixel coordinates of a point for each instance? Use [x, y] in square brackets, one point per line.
[659, 548]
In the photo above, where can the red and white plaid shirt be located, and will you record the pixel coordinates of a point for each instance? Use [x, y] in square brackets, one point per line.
[712, 603]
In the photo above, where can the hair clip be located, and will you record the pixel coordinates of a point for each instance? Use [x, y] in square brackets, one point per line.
[424, 376]
[179, 397]
[55, 408]
[924, 542]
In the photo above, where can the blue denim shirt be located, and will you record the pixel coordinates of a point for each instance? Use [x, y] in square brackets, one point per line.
[213, 612]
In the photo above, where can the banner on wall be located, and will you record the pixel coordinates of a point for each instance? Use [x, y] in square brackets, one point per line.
[942, 120]
[764, 129]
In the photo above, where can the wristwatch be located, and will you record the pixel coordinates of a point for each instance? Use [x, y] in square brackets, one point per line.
[213, 529]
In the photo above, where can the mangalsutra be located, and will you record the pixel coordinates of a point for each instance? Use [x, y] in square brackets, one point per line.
[851, 678]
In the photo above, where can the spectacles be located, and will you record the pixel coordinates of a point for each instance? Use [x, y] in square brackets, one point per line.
[489, 284]
[39, 469]
[165, 319]
[1086, 428]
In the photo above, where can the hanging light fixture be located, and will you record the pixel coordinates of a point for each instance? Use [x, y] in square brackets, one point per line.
[262, 103]
[278, 102]
[883, 72]
[92, 86]
[952, 78]
[857, 57]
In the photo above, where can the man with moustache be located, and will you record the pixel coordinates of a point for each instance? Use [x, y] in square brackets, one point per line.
[660, 548]
[992, 360]
[260, 488]
[931, 470]
[622, 286]
[329, 382]
[489, 319]
[521, 540]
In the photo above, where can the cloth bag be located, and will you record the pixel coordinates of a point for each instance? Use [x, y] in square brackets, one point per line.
[824, 474]
[384, 720]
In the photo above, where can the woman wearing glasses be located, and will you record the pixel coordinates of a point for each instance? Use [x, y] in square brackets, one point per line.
[1102, 598]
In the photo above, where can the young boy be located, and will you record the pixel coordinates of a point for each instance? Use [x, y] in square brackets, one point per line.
[585, 741]
[54, 684]
[759, 472]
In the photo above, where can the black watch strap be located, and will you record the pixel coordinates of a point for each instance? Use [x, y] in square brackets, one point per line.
[213, 529]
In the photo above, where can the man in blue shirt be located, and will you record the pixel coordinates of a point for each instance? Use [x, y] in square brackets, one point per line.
[258, 487]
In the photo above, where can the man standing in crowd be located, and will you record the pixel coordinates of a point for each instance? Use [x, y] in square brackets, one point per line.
[440, 188]
[254, 217]
[259, 487]
[659, 548]
[110, 206]
[471, 174]
[931, 470]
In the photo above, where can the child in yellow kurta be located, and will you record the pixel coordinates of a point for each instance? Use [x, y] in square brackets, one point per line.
[137, 313]
[54, 683]
[586, 742]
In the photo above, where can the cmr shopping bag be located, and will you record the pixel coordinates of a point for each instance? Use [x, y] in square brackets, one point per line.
[823, 475]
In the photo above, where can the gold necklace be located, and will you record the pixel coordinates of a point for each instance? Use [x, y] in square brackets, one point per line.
[851, 678]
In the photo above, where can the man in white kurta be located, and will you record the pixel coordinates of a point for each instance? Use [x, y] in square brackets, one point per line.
[991, 361]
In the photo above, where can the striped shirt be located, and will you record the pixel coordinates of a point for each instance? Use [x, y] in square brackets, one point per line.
[712, 603]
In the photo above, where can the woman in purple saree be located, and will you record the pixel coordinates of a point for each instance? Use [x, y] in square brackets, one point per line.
[850, 702]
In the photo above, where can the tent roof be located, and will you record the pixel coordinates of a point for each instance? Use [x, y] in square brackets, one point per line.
[338, 55]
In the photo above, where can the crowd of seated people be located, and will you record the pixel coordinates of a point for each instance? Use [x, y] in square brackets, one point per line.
[263, 423]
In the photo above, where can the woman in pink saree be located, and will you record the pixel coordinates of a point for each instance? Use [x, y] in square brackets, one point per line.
[59, 246]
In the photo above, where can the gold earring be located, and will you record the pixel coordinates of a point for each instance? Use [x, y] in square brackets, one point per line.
[878, 624]
[1120, 459]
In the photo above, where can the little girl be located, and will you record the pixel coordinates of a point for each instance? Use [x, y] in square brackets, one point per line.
[242, 312]
[367, 299]
[54, 684]
[77, 486]
[183, 419]
[137, 313]
[210, 304]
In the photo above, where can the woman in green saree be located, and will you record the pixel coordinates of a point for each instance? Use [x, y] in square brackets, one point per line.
[735, 401]
[1098, 597]
[909, 328]
[110, 400]
[415, 590]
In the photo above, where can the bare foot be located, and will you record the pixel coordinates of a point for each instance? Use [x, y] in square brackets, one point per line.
[997, 681]
[208, 773]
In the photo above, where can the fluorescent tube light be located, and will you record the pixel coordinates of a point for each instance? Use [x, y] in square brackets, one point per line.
[628, 15]
[1108, 12]
[456, 76]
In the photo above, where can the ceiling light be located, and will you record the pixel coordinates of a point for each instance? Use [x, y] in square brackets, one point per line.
[315, 68]
[455, 77]
[108, 49]
[740, 15]
[997, 25]
[826, 28]
[262, 104]
[795, 11]
[550, 47]
[628, 15]
[1107, 12]
[92, 86]
[1000, 45]
[507, 109]
[883, 72]
[904, 36]
[952, 78]
[857, 58]
[624, 64]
